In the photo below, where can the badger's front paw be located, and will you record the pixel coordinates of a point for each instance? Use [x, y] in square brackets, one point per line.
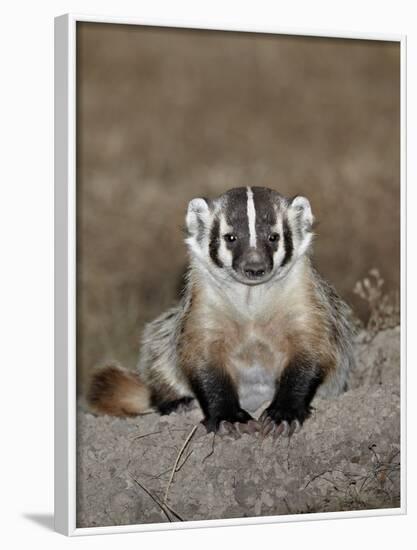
[279, 421]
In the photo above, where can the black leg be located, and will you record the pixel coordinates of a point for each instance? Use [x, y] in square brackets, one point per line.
[218, 398]
[294, 393]
[167, 407]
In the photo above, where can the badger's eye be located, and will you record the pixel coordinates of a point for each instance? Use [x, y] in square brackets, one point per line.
[273, 237]
[230, 238]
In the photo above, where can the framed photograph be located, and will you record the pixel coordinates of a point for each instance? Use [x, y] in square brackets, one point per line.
[229, 275]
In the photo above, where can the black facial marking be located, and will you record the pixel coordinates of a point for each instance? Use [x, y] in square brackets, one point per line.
[288, 242]
[295, 391]
[266, 217]
[217, 397]
[236, 211]
[266, 201]
[236, 217]
[215, 243]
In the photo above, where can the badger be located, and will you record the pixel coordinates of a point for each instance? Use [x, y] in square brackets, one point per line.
[256, 326]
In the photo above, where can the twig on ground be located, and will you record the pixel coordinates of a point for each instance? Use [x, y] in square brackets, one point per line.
[135, 437]
[190, 435]
[153, 497]
[315, 477]
[173, 512]
[158, 476]
[184, 461]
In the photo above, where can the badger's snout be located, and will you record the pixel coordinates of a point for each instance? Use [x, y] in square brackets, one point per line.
[254, 270]
[254, 266]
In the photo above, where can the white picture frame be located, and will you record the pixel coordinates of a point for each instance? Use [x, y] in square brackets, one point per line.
[65, 277]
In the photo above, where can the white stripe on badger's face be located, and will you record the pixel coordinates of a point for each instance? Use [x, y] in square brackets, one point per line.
[251, 218]
[279, 253]
[225, 255]
[252, 223]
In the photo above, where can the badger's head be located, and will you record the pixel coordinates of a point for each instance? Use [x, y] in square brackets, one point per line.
[251, 234]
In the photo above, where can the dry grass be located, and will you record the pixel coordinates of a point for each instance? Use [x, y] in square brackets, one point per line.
[384, 308]
[356, 491]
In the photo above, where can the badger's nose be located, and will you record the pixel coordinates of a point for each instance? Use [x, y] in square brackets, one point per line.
[254, 265]
[254, 269]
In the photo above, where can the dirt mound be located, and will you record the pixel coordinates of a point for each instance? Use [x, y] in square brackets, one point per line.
[346, 457]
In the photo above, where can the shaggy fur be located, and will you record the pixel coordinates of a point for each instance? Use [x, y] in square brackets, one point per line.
[256, 324]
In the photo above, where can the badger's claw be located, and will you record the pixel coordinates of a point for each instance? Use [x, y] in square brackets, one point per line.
[227, 428]
[263, 416]
[229, 423]
[237, 429]
[278, 428]
[267, 426]
[295, 427]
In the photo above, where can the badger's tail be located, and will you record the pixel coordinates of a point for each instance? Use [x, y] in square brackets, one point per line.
[117, 391]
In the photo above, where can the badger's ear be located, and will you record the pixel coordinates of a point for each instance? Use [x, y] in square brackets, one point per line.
[198, 214]
[301, 214]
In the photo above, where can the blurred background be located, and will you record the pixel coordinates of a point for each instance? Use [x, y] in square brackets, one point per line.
[166, 115]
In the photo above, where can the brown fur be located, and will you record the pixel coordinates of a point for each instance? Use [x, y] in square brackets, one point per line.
[300, 327]
[239, 331]
[198, 343]
[117, 392]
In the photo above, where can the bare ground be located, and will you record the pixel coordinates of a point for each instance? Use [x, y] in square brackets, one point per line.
[346, 457]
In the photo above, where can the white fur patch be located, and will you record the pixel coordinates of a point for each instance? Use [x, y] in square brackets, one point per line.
[198, 219]
[225, 255]
[277, 228]
[251, 218]
[301, 220]
[256, 386]
[197, 210]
